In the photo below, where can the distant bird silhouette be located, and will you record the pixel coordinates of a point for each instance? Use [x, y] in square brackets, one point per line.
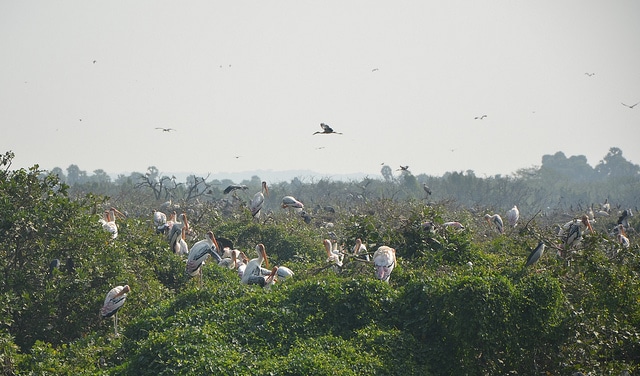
[426, 189]
[166, 129]
[480, 117]
[590, 74]
[403, 168]
[326, 129]
[234, 187]
[375, 69]
[632, 106]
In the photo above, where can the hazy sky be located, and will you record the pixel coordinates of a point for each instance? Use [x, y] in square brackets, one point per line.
[246, 83]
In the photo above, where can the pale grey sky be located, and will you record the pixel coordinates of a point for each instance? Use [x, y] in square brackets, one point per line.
[246, 83]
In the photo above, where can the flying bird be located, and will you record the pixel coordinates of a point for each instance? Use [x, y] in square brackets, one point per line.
[234, 187]
[403, 168]
[480, 117]
[632, 106]
[384, 260]
[166, 129]
[375, 69]
[113, 302]
[326, 129]
[589, 74]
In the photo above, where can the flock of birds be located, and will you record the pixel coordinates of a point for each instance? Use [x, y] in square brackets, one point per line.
[250, 271]
[570, 233]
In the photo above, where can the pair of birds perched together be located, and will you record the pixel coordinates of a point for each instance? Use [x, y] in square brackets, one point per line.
[513, 215]
[384, 258]
[258, 199]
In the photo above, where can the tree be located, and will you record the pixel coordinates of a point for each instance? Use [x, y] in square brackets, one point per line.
[616, 166]
[387, 173]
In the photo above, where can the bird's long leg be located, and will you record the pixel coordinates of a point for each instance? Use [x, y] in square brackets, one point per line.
[115, 323]
[200, 277]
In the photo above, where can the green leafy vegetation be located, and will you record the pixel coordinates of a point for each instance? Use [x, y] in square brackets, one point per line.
[460, 301]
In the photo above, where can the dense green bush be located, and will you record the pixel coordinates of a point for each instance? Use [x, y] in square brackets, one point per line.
[458, 302]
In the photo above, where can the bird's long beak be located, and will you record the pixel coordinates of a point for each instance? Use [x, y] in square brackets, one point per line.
[266, 189]
[215, 243]
[116, 211]
[263, 253]
[357, 246]
[186, 222]
[124, 290]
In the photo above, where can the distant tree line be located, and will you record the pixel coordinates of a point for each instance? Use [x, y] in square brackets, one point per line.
[560, 184]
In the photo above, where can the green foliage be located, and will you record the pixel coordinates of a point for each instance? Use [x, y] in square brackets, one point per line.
[458, 302]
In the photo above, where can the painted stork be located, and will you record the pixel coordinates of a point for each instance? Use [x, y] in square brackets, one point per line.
[454, 224]
[621, 235]
[513, 215]
[181, 247]
[326, 129]
[334, 256]
[200, 252]
[231, 258]
[623, 219]
[535, 254]
[258, 200]
[109, 221]
[253, 272]
[360, 250]
[426, 188]
[384, 260]
[587, 223]
[176, 234]
[496, 220]
[572, 236]
[159, 221]
[291, 202]
[113, 302]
